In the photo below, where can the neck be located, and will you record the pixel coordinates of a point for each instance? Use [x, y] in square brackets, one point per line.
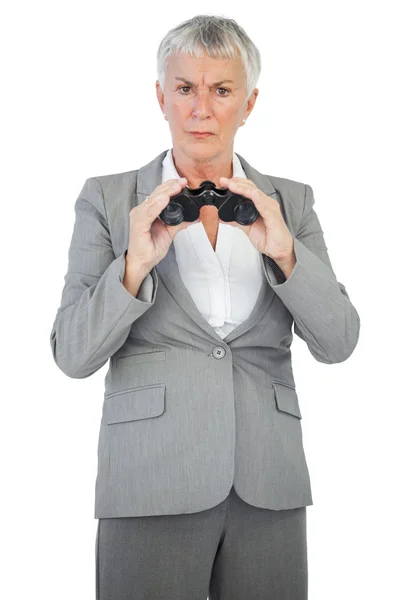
[196, 171]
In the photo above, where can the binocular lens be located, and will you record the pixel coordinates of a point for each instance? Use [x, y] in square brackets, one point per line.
[173, 214]
[245, 213]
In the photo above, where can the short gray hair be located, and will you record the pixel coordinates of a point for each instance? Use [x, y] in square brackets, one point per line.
[219, 37]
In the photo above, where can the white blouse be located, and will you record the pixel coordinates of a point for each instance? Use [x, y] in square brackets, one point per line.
[223, 284]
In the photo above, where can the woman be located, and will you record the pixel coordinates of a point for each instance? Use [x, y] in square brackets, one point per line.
[202, 482]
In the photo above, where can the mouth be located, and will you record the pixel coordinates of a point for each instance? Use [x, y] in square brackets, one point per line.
[202, 134]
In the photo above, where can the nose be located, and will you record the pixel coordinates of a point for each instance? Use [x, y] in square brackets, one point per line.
[201, 106]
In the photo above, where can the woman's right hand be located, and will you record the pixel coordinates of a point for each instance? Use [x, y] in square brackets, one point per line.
[149, 237]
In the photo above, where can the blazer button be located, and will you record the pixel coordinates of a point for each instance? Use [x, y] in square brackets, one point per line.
[218, 352]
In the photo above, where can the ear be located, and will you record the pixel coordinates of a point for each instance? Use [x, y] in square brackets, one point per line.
[251, 102]
[160, 96]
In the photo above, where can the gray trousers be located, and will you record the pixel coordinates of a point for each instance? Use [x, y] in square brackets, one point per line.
[232, 551]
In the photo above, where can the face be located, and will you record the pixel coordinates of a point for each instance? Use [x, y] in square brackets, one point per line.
[204, 94]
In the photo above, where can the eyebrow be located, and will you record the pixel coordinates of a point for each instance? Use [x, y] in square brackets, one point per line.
[194, 85]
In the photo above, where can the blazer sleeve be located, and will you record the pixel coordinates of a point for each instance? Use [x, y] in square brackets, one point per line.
[323, 314]
[96, 310]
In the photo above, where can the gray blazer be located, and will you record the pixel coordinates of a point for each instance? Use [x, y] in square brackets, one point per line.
[186, 415]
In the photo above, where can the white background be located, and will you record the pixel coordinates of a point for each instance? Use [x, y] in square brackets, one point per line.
[79, 101]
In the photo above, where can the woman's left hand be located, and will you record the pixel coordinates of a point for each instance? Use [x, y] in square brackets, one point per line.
[269, 234]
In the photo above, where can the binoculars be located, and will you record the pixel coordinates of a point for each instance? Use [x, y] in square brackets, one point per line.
[185, 206]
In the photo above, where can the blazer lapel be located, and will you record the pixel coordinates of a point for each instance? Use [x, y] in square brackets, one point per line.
[149, 177]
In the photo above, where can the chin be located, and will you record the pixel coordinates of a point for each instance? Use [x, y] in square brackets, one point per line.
[203, 145]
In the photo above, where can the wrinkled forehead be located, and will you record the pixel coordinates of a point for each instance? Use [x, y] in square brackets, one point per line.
[204, 70]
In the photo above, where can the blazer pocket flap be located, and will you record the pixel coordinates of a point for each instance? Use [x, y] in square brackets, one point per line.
[286, 398]
[134, 404]
[142, 357]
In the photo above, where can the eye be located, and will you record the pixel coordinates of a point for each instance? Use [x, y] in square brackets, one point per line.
[187, 87]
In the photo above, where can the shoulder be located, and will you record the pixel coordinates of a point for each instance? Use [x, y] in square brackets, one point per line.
[115, 192]
[115, 181]
[285, 185]
[291, 195]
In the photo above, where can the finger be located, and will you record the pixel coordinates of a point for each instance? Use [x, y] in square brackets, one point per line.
[238, 185]
[173, 187]
[170, 187]
[170, 182]
[182, 181]
[238, 181]
[157, 201]
[167, 187]
[243, 187]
